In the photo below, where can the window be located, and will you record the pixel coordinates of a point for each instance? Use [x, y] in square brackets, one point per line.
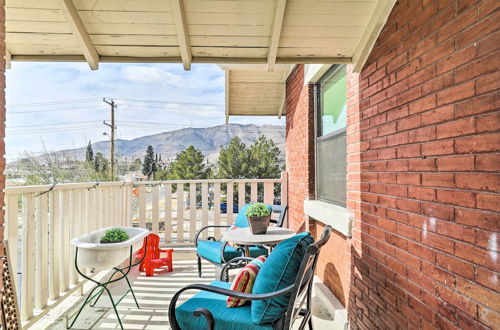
[331, 114]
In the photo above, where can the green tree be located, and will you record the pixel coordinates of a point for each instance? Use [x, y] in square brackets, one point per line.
[233, 162]
[101, 167]
[149, 164]
[264, 159]
[188, 165]
[89, 154]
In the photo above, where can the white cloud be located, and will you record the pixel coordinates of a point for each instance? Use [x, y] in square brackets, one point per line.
[147, 74]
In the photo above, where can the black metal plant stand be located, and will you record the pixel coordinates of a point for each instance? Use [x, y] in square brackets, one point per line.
[104, 286]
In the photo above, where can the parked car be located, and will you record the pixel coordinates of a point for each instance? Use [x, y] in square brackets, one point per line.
[223, 208]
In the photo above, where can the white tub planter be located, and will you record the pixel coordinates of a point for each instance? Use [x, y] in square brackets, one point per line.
[93, 254]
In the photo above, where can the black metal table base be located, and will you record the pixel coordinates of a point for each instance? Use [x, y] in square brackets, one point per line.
[104, 286]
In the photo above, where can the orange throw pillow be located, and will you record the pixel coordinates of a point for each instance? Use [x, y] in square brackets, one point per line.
[243, 282]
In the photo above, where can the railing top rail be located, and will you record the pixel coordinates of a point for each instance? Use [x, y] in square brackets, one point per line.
[17, 190]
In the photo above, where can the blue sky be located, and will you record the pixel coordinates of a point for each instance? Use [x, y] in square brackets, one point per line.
[78, 116]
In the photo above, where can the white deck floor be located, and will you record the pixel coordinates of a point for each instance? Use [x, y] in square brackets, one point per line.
[153, 293]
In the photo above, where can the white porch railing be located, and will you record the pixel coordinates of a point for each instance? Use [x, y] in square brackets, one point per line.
[41, 221]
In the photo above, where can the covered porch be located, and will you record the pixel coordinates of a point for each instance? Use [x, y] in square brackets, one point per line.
[416, 216]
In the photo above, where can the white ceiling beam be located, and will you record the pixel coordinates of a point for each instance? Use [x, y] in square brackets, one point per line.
[282, 101]
[372, 30]
[8, 59]
[182, 33]
[176, 59]
[88, 48]
[226, 73]
[279, 13]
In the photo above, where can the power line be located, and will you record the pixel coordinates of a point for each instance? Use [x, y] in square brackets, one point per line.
[52, 110]
[170, 102]
[41, 104]
[56, 124]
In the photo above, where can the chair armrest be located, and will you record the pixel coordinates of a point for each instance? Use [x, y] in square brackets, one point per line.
[204, 228]
[237, 260]
[226, 292]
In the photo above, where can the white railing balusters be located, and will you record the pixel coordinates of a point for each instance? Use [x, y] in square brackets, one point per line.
[241, 195]
[217, 209]
[168, 213]
[50, 220]
[204, 207]
[41, 267]
[192, 209]
[28, 255]
[180, 212]
[155, 228]
[54, 230]
[229, 204]
[253, 192]
[12, 233]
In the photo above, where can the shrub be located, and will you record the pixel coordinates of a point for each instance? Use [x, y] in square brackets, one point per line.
[114, 235]
[258, 210]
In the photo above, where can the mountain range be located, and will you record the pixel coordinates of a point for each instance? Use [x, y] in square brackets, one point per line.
[169, 144]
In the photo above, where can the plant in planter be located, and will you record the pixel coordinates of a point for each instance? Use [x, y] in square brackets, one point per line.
[114, 235]
[259, 216]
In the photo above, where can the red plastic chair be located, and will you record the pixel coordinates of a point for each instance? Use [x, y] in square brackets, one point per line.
[153, 259]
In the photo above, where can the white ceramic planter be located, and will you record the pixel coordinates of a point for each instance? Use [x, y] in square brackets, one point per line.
[93, 254]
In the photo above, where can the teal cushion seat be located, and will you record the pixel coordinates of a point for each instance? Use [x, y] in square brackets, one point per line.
[278, 272]
[225, 318]
[211, 251]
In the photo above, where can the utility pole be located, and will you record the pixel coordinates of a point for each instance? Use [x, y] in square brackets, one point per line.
[112, 136]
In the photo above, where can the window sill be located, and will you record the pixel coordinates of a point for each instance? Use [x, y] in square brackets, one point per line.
[336, 216]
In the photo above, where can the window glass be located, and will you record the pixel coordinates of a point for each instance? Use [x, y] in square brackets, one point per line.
[333, 92]
[331, 145]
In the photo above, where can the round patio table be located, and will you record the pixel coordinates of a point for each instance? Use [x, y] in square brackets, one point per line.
[243, 236]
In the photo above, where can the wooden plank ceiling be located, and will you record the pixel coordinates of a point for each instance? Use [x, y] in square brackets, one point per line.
[263, 32]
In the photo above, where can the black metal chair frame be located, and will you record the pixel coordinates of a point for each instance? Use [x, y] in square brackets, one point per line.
[301, 292]
[281, 209]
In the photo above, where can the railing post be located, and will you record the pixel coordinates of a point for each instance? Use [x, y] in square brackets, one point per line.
[180, 213]
[28, 278]
[204, 207]
[217, 208]
[142, 206]
[12, 222]
[155, 227]
[192, 211]
[168, 212]
[42, 247]
[229, 203]
[54, 230]
[284, 188]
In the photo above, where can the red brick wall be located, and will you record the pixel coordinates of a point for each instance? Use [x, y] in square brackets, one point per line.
[423, 161]
[425, 245]
[334, 264]
[299, 147]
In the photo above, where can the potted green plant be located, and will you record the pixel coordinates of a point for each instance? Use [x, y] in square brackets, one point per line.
[114, 235]
[259, 216]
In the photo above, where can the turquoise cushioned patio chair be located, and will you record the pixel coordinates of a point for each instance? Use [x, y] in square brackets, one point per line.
[219, 253]
[292, 263]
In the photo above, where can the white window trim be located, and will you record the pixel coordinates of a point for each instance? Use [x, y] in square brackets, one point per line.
[328, 213]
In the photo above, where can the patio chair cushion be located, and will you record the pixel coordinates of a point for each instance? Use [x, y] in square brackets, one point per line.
[243, 282]
[211, 251]
[225, 318]
[279, 271]
[242, 220]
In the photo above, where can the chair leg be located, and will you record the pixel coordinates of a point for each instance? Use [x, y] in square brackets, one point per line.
[199, 266]
[310, 322]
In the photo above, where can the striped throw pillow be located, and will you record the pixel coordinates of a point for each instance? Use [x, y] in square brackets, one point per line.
[243, 282]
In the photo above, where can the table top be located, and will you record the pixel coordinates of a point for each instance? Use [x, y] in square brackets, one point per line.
[244, 236]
